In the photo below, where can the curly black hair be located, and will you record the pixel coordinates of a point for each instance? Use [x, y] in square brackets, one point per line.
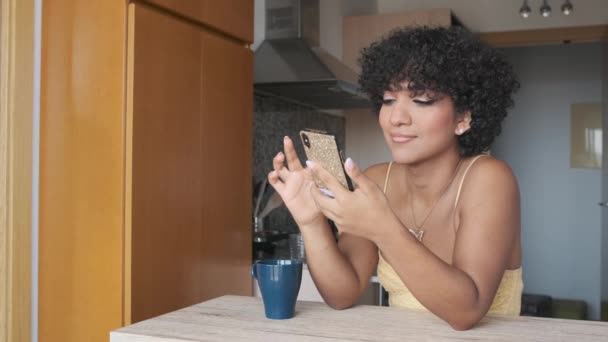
[449, 61]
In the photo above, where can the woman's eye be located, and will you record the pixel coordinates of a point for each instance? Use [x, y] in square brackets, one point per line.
[424, 102]
[386, 102]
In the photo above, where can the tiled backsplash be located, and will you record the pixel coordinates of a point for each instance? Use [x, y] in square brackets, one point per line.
[273, 119]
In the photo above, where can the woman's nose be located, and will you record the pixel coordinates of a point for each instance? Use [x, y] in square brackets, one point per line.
[400, 114]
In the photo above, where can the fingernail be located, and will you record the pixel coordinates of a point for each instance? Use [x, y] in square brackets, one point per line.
[285, 138]
[310, 164]
[280, 154]
[327, 192]
[349, 163]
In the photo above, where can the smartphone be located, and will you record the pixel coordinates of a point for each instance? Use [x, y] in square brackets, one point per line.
[321, 147]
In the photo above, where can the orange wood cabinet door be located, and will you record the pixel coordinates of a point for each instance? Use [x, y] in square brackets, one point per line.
[189, 120]
[233, 17]
[227, 145]
[145, 166]
[81, 234]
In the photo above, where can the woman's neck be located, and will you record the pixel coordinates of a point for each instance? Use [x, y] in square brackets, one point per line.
[427, 180]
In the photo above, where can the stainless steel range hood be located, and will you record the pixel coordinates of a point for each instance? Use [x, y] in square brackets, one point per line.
[290, 64]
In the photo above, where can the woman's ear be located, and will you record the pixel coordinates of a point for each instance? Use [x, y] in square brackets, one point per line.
[463, 124]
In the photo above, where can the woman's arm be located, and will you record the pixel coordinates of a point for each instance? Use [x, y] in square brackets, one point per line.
[462, 293]
[341, 271]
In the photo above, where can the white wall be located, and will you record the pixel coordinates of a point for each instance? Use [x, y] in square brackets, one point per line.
[560, 216]
[364, 141]
[503, 15]
[259, 20]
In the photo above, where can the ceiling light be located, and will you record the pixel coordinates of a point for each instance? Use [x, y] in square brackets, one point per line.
[545, 9]
[567, 8]
[525, 11]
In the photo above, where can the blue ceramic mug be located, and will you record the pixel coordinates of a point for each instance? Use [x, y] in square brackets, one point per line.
[279, 281]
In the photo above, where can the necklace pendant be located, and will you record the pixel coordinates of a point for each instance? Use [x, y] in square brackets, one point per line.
[417, 233]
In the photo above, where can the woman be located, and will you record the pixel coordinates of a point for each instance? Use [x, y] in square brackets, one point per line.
[441, 222]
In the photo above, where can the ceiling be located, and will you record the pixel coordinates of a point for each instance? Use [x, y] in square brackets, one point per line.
[503, 15]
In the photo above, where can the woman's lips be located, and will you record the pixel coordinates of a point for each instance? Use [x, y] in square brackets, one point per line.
[400, 139]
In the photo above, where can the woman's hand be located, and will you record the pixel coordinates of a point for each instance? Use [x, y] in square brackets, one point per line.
[360, 212]
[294, 184]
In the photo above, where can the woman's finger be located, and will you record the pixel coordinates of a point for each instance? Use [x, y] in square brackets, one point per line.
[293, 162]
[278, 163]
[333, 186]
[326, 204]
[275, 181]
[358, 177]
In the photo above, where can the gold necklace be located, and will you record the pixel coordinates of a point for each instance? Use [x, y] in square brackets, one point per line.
[419, 232]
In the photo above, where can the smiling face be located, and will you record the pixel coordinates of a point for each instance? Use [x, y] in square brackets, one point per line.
[422, 126]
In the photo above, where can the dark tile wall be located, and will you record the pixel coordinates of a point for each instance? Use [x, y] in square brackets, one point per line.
[273, 119]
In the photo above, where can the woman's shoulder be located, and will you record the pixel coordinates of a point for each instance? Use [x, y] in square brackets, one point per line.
[488, 176]
[487, 166]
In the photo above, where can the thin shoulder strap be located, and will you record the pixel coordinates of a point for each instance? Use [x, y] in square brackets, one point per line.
[388, 172]
[465, 176]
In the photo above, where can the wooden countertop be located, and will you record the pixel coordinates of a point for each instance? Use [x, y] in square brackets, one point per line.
[235, 318]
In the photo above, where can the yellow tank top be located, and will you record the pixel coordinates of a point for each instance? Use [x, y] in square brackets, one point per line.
[507, 300]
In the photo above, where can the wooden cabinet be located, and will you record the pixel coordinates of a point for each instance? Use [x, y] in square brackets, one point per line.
[360, 31]
[145, 179]
[191, 166]
[232, 17]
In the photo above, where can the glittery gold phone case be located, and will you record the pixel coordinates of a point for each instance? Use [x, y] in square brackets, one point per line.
[321, 148]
